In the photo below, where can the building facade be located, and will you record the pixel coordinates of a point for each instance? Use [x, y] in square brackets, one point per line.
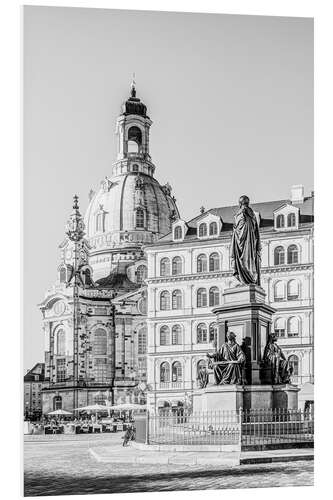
[189, 269]
[32, 387]
[94, 316]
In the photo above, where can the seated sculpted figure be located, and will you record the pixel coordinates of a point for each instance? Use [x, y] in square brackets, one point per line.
[203, 377]
[274, 357]
[227, 362]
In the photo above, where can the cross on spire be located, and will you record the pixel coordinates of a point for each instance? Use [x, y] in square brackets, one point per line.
[133, 88]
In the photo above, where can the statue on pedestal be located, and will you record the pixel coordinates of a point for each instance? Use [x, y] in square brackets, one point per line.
[245, 245]
[203, 377]
[227, 362]
[281, 368]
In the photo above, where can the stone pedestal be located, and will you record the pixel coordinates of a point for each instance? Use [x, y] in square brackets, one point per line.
[218, 398]
[248, 397]
[245, 312]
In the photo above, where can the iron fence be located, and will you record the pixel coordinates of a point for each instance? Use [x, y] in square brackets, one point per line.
[204, 428]
[249, 429]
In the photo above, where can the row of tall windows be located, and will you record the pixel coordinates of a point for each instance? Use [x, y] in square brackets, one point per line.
[289, 292]
[204, 264]
[281, 257]
[204, 334]
[207, 229]
[176, 372]
[287, 327]
[282, 222]
[174, 300]
[175, 338]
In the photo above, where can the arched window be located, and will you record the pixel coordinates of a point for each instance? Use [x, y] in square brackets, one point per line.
[176, 265]
[165, 300]
[280, 221]
[135, 168]
[213, 332]
[214, 262]
[293, 290]
[177, 372]
[292, 254]
[165, 372]
[291, 220]
[176, 335]
[293, 327]
[164, 335]
[61, 342]
[212, 228]
[142, 341]
[100, 342]
[176, 299]
[139, 218]
[165, 267]
[202, 263]
[203, 229]
[202, 297]
[57, 403]
[279, 256]
[134, 139]
[202, 333]
[280, 327]
[178, 233]
[61, 370]
[293, 360]
[279, 293]
[100, 222]
[141, 273]
[214, 296]
[63, 275]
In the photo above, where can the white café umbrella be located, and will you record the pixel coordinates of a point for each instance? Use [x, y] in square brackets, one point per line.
[60, 412]
[128, 406]
[94, 408]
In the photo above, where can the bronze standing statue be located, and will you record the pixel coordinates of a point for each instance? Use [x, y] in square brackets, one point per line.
[228, 362]
[245, 245]
[281, 368]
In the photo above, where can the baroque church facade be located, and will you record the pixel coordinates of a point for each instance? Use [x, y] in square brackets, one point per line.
[188, 271]
[94, 316]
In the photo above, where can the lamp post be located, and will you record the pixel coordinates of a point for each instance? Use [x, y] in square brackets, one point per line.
[75, 233]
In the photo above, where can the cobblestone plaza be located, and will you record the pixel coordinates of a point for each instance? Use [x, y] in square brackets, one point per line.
[63, 467]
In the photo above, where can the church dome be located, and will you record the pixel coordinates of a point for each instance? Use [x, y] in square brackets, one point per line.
[129, 209]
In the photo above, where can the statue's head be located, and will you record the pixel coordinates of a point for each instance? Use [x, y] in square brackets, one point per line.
[231, 336]
[244, 201]
[272, 337]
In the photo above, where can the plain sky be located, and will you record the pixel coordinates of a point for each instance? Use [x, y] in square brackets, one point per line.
[231, 99]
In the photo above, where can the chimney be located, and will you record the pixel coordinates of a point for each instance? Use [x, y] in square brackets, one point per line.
[297, 194]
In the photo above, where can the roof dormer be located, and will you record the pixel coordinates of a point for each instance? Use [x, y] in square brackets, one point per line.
[286, 218]
[209, 226]
[179, 230]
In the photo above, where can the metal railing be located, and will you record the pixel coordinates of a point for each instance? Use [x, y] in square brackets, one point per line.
[268, 428]
[248, 429]
[204, 428]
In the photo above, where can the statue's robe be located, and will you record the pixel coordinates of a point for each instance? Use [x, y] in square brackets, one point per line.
[280, 366]
[228, 373]
[203, 378]
[245, 247]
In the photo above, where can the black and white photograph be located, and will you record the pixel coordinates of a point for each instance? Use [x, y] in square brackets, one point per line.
[168, 251]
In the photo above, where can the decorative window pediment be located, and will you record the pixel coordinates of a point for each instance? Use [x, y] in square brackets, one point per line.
[209, 226]
[179, 230]
[286, 218]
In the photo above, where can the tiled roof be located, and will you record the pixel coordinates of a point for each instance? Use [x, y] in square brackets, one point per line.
[265, 209]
